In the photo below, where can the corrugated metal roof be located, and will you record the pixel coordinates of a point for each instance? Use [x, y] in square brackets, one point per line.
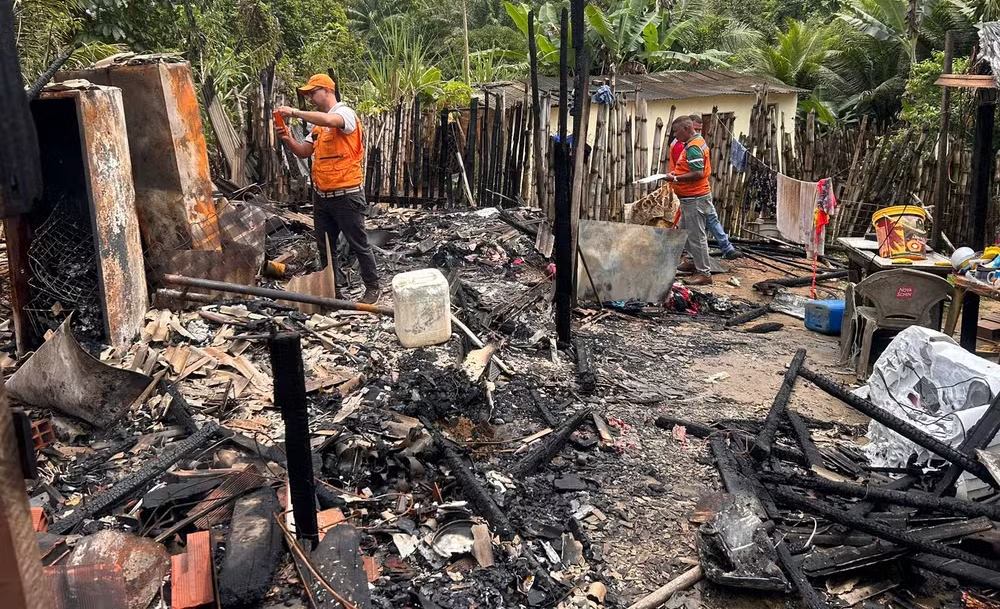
[662, 85]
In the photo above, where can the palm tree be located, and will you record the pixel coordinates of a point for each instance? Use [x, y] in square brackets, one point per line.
[916, 26]
[690, 35]
[619, 34]
[798, 56]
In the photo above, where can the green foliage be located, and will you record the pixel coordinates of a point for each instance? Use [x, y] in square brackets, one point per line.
[922, 98]
[798, 57]
[454, 94]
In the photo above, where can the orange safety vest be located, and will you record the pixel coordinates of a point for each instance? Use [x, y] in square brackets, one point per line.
[700, 186]
[338, 158]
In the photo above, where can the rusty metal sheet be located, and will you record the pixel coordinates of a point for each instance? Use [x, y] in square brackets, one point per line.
[65, 378]
[96, 586]
[169, 156]
[112, 205]
[627, 261]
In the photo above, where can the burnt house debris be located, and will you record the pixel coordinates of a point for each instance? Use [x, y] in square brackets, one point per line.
[591, 433]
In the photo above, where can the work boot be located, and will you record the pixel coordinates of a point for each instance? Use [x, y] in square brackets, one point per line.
[733, 254]
[686, 267]
[699, 279]
[371, 294]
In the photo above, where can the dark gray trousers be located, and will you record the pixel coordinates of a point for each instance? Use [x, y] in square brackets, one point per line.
[344, 214]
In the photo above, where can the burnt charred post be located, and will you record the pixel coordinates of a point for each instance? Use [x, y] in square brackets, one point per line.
[914, 499]
[581, 124]
[290, 398]
[20, 170]
[585, 375]
[765, 439]
[537, 145]
[878, 529]
[813, 457]
[979, 437]
[132, 484]
[899, 426]
[551, 445]
[563, 224]
[982, 162]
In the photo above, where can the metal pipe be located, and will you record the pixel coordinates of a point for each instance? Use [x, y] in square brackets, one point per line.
[235, 288]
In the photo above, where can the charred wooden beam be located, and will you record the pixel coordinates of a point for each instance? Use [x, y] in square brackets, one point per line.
[551, 445]
[770, 286]
[132, 484]
[863, 508]
[762, 444]
[543, 410]
[702, 431]
[804, 439]
[732, 481]
[478, 496]
[290, 398]
[963, 572]
[750, 315]
[903, 428]
[980, 436]
[915, 499]
[847, 558]
[793, 569]
[898, 536]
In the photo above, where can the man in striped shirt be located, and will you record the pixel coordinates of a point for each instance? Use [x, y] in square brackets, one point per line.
[690, 177]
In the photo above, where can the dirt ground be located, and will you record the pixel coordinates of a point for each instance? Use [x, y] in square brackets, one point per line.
[654, 484]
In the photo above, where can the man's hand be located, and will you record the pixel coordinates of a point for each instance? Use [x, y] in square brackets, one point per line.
[286, 111]
[671, 177]
[284, 134]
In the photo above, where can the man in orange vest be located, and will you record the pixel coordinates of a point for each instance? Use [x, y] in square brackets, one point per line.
[690, 176]
[337, 176]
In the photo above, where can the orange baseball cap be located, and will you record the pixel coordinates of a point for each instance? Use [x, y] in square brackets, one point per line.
[318, 81]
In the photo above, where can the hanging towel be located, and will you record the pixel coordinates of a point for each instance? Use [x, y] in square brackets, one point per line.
[738, 156]
[796, 209]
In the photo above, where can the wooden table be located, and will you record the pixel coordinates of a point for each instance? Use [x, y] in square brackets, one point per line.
[964, 285]
[863, 260]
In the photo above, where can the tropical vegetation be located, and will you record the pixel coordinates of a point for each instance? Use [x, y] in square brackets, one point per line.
[851, 58]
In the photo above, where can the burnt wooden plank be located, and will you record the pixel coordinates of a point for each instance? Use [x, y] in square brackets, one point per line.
[762, 444]
[846, 558]
[253, 551]
[872, 527]
[338, 560]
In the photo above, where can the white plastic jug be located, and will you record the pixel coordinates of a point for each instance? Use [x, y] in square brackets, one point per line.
[422, 305]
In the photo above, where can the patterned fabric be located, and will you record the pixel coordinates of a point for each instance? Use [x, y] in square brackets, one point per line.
[738, 156]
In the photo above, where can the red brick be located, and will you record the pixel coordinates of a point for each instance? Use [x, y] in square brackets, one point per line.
[191, 579]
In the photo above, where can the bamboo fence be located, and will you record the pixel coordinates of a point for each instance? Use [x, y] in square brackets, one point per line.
[484, 155]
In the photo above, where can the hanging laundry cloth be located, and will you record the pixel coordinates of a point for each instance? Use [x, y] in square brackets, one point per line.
[796, 208]
[738, 156]
[826, 205]
[603, 96]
